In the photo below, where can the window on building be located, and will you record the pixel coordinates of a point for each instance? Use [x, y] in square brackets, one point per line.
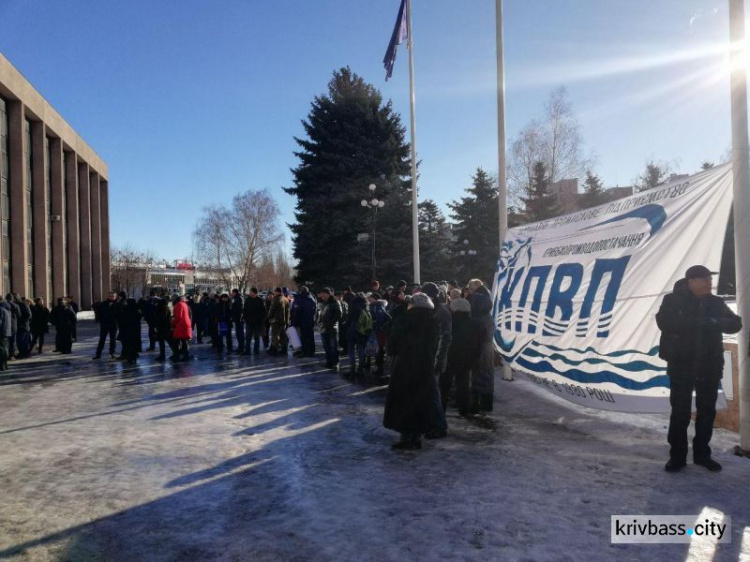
[48, 210]
[4, 198]
[64, 219]
[29, 210]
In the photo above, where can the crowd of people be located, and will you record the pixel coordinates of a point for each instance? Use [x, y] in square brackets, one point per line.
[24, 325]
[437, 339]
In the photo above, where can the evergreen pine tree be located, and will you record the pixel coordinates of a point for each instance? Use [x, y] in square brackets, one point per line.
[593, 191]
[476, 220]
[654, 174]
[539, 203]
[434, 243]
[353, 140]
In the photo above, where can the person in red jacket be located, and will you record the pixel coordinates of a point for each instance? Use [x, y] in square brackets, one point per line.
[182, 328]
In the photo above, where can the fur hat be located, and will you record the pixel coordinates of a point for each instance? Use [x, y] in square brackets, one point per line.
[420, 300]
[460, 305]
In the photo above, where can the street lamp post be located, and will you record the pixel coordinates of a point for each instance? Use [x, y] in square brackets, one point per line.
[374, 204]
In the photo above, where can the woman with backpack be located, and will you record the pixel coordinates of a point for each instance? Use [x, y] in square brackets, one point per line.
[358, 330]
[381, 322]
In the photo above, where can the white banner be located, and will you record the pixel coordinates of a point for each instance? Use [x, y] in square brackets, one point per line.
[575, 297]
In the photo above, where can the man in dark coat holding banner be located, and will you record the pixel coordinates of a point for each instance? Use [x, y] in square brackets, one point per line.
[692, 322]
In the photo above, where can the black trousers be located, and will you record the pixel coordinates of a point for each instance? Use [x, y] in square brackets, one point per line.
[307, 336]
[105, 331]
[462, 376]
[37, 339]
[253, 335]
[680, 398]
[151, 336]
[221, 339]
[163, 342]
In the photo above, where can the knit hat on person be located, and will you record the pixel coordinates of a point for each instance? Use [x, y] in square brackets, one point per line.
[421, 300]
[460, 305]
[431, 290]
[327, 290]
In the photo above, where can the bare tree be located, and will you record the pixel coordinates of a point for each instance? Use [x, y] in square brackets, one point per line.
[130, 268]
[561, 142]
[284, 271]
[234, 240]
[525, 152]
[555, 140]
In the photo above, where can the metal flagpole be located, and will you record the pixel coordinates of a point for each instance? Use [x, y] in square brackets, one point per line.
[741, 176]
[501, 178]
[414, 204]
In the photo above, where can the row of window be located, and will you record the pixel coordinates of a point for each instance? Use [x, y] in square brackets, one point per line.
[28, 206]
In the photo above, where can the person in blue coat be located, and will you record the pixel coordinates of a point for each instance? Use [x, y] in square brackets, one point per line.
[302, 316]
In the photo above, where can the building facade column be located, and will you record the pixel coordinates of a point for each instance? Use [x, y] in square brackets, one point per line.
[73, 231]
[104, 208]
[84, 222]
[17, 165]
[96, 239]
[57, 220]
[39, 209]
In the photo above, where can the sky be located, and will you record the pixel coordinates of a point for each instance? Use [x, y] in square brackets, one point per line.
[190, 102]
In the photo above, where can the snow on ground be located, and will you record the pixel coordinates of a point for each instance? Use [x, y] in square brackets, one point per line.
[279, 459]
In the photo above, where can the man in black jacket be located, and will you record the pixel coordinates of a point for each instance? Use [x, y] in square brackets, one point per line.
[109, 315]
[692, 321]
[255, 315]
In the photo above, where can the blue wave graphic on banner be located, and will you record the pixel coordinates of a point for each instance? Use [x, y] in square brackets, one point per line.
[653, 351]
[654, 214]
[634, 366]
[661, 381]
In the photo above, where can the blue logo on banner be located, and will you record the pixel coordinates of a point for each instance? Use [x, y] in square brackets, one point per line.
[654, 214]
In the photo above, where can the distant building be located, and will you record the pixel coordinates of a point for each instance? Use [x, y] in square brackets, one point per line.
[613, 193]
[138, 280]
[566, 194]
[54, 200]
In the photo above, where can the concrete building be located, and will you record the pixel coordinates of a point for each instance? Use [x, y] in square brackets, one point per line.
[566, 194]
[54, 200]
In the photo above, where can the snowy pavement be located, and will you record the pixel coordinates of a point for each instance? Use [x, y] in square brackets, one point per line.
[246, 458]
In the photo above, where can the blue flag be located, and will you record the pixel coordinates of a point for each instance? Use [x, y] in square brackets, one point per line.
[400, 32]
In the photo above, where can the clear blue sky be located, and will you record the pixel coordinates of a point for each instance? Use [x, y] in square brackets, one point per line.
[190, 102]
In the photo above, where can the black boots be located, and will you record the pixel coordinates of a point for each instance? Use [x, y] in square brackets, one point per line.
[674, 465]
[408, 442]
[481, 403]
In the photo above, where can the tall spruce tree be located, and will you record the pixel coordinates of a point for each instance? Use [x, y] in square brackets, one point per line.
[539, 203]
[476, 221]
[353, 139]
[593, 191]
[434, 243]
